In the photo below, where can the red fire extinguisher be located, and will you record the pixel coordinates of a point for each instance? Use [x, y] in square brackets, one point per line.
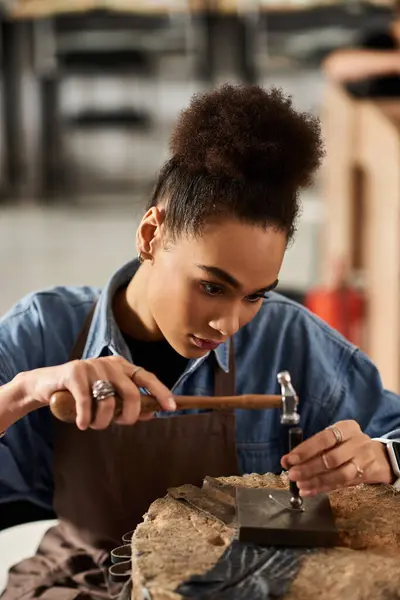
[342, 306]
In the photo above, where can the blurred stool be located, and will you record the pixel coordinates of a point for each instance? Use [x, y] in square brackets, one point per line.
[361, 194]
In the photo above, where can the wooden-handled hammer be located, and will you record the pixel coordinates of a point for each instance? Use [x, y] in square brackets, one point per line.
[62, 404]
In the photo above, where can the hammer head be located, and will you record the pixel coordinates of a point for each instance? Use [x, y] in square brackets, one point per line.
[289, 416]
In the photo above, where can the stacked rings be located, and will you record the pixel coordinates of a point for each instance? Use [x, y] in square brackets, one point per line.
[101, 390]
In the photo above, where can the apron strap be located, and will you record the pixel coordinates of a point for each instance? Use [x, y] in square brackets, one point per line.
[224, 383]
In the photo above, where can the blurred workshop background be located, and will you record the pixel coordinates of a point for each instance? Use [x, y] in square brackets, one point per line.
[90, 90]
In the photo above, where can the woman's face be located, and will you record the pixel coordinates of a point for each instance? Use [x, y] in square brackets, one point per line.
[200, 291]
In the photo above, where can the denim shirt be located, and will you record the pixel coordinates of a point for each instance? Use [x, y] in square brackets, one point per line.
[333, 379]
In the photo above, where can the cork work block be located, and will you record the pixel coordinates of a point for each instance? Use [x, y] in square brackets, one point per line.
[175, 542]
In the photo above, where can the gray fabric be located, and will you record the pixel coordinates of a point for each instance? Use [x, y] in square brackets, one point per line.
[126, 592]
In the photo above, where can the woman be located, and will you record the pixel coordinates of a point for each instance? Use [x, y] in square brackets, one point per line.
[195, 306]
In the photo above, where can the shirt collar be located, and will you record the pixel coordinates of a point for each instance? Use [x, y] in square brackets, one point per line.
[104, 331]
[222, 355]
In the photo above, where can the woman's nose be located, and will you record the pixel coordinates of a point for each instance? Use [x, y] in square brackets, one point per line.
[226, 325]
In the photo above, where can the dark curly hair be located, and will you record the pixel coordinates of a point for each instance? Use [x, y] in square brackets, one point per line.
[238, 151]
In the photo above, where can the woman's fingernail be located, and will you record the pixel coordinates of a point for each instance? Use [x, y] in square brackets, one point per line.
[294, 474]
[305, 493]
[171, 404]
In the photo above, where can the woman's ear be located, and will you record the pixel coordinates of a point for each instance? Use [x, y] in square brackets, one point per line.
[149, 233]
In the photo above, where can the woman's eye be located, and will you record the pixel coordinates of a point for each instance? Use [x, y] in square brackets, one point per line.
[212, 289]
[256, 297]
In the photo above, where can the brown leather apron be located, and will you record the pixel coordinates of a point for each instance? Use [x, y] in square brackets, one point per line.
[104, 481]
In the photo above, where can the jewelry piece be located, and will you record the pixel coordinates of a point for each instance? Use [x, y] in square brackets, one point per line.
[360, 472]
[2, 434]
[135, 372]
[337, 433]
[101, 390]
[323, 456]
[145, 256]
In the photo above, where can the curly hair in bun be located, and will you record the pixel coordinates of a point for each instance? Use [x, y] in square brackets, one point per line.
[238, 151]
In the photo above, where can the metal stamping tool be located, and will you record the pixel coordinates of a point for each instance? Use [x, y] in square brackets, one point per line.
[291, 417]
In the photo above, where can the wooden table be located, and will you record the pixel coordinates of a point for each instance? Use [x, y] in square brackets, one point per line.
[361, 193]
[40, 8]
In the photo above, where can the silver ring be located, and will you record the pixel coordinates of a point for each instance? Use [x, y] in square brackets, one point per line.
[337, 433]
[135, 372]
[101, 390]
[323, 456]
[360, 472]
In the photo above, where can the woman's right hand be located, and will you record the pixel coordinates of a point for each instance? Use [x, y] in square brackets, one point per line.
[78, 377]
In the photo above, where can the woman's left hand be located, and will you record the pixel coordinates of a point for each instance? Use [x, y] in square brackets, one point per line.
[340, 456]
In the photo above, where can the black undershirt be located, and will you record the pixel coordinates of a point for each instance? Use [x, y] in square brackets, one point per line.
[158, 358]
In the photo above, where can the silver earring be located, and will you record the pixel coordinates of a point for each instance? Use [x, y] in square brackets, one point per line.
[140, 258]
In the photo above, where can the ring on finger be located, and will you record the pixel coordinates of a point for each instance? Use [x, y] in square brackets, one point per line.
[135, 372]
[325, 461]
[360, 472]
[337, 433]
[101, 390]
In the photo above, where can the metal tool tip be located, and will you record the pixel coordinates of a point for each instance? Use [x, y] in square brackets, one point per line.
[284, 377]
[296, 502]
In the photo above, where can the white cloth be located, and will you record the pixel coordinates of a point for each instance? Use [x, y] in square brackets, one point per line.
[17, 543]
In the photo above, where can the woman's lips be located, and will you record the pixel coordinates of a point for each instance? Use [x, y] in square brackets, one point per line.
[204, 344]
